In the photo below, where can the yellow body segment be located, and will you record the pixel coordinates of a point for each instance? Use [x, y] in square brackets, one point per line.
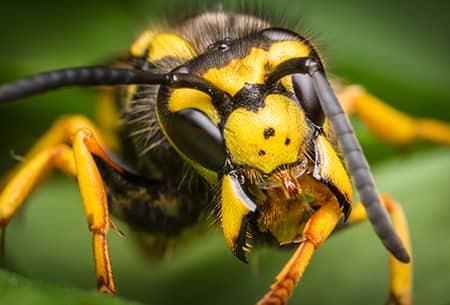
[160, 44]
[272, 135]
[233, 211]
[190, 98]
[170, 45]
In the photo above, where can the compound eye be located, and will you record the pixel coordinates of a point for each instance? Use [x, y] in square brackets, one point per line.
[197, 137]
[306, 94]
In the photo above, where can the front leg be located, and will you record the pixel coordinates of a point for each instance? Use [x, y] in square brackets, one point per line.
[319, 227]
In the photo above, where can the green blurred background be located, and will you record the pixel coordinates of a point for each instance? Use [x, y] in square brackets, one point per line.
[398, 50]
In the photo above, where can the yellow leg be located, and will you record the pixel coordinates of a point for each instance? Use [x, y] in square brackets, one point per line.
[59, 132]
[389, 124]
[317, 230]
[78, 161]
[20, 186]
[401, 274]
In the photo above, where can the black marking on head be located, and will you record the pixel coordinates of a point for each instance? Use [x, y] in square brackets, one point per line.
[307, 97]
[250, 97]
[219, 51]
[269, 132]
[261, 153]
[287, 141]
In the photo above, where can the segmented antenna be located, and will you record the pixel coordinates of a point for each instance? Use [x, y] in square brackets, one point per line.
[356, 163]
[98, 75]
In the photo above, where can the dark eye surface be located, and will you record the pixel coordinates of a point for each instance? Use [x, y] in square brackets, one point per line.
[304, 90]
[197, 138]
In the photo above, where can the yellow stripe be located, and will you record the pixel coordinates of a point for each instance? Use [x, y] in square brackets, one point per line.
[285, 50]
[331, 168]
[233, 212]
[190, 98]
[232, 77]
[254, 67]
[170, 45]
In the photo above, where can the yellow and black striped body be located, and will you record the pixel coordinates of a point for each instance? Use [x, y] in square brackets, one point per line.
[267, 136]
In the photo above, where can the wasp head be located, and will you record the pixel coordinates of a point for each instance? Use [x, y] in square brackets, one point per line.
[266, 136]
[267, 133]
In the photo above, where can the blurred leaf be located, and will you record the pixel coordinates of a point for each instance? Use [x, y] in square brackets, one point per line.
[15, 289]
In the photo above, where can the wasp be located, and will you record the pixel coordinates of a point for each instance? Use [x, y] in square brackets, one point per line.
[246, 106]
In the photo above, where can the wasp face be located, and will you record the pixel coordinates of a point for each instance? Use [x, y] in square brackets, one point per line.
[265, 136]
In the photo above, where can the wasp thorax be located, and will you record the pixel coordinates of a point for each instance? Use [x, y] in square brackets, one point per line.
[267, 137]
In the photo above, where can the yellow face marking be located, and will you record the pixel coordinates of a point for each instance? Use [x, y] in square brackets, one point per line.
[190, 98]
[287, 83]
[233, 211]
[232, 77]
[268, 138]
[285, 50]
[331, 168]
[254, 67]
[167, 44]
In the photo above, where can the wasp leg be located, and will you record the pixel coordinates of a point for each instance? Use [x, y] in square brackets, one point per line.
[389, 124]
[59, 132]
[319, 227]
[79, 162]
[401, 274]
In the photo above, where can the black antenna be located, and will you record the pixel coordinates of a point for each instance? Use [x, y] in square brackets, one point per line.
[98, 75]
[350, 148]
